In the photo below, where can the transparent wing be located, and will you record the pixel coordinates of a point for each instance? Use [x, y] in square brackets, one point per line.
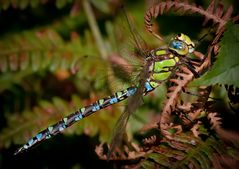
[139, 43]
[120, 128]
[126, 28]
[133, 103]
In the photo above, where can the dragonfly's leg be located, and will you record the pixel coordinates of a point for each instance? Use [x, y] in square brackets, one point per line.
[190, 67]
[189, 93]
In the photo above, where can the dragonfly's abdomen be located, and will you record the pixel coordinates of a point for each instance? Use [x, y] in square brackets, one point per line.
[78, 115]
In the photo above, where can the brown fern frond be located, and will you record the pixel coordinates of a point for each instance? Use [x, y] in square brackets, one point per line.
[150, 140]
[150, 126]
[182, 109]
[195, 129]
[183, 78]
[126, 153]
[99, 150]
[190, 113]
[197, 109]
[214, 12]
[184, 106]
[229, 136]
[214, 120]
[202, 101]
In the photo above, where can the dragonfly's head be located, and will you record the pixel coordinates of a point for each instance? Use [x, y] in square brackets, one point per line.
[181, 44]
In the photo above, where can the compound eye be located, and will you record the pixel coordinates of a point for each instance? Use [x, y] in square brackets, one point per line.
[179, 47]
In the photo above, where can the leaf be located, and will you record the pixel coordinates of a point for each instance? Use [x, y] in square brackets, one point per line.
[226, 68]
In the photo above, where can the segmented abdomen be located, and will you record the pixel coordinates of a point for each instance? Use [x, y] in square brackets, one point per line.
[78, 115]
[81, 113]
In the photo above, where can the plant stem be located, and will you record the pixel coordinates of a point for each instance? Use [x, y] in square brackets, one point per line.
[95, 29]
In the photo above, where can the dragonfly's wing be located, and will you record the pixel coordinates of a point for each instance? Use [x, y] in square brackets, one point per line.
[139, 43]
[135, 42]
[118, 133]
[133, 103]
[120, 128]
[135, 100]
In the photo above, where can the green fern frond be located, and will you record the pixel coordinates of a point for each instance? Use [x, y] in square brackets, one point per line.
[23, 4]
[37, 50]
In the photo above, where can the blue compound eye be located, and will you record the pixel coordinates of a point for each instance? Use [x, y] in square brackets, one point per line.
[176, 44]
[179, 47]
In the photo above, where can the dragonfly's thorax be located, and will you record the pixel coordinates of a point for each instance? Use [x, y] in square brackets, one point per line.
[161, 63]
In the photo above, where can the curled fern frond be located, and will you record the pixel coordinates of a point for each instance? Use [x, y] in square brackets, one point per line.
[214, 12]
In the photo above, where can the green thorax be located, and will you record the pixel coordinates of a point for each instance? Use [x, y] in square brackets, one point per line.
[162, 64]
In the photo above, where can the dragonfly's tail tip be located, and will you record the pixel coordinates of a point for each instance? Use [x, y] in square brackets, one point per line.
[18, 151]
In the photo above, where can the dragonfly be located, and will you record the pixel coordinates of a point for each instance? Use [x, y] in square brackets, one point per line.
[159, 65]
